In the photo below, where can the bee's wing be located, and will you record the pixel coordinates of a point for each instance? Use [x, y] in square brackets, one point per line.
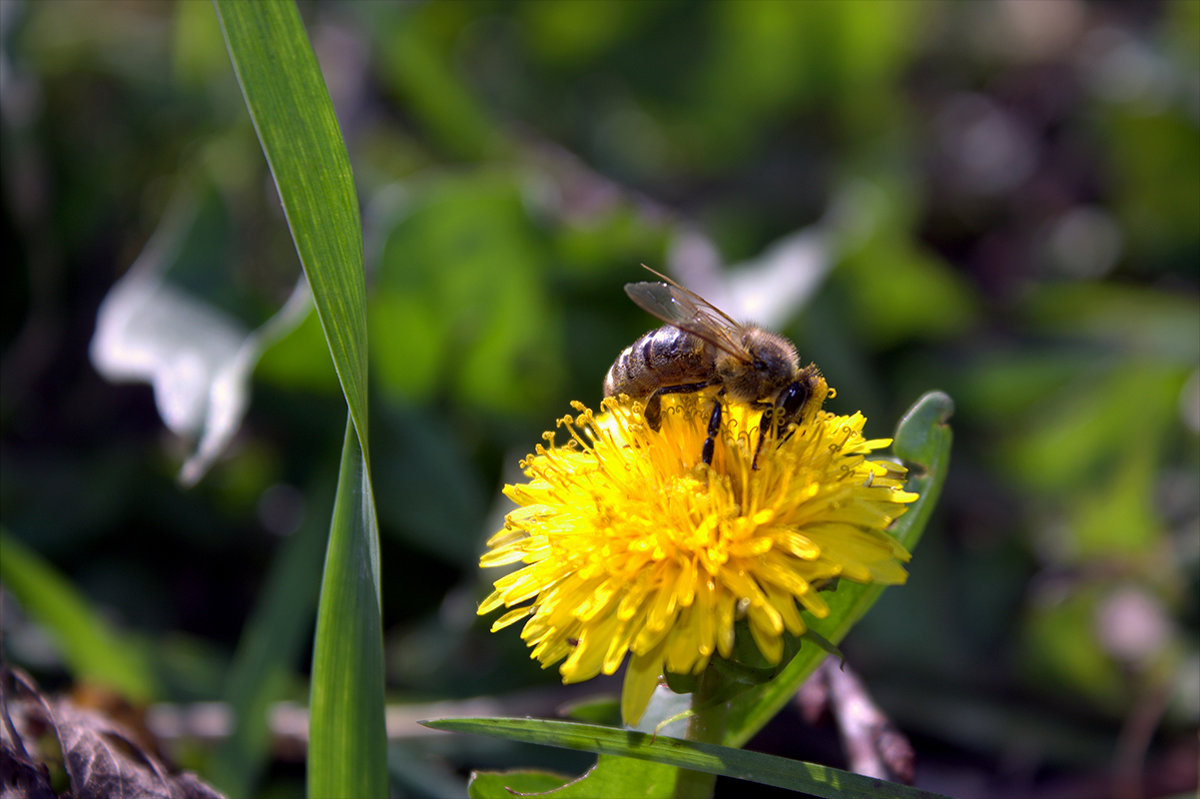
[688, 311]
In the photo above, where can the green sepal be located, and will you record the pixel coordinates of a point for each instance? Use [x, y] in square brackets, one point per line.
[682, 683]
[749, 665]
[823, 643]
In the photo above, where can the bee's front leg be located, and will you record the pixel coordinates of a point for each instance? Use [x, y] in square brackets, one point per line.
[714, 427]
[785, 410]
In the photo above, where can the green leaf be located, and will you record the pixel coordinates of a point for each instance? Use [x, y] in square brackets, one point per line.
[923, 440]
[460, 304]
[347, 735]
[503, 784]
[294, 119]
[93, 651]
[723, 761]
[611, 776]
[413, 67]
[293, 116]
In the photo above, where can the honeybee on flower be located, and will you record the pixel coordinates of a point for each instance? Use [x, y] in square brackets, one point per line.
[650, 532]
[702, 346]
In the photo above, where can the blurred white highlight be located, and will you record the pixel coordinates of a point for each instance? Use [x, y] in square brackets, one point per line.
[197, 358]
[771, 289]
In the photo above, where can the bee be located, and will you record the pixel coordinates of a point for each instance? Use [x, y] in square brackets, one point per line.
[702, 346]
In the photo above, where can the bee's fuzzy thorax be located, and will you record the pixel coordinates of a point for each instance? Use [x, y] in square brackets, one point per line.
[775, 364]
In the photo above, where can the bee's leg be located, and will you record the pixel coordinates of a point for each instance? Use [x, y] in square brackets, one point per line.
[714, 427]
[653, 410]
[764, 429]
[786, 409]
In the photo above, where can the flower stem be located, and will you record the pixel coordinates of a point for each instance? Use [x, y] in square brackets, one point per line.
[707, 725]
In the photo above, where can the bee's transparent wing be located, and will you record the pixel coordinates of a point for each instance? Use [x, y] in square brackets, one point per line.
[690, 312]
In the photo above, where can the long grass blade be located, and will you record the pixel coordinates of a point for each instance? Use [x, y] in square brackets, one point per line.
[93, 651]
[347, 736]
[293, 116]
[780, 772]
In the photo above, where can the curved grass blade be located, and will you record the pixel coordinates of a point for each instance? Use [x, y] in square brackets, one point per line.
[92, 650]
[724, 761]
[293, 116]
[923, 440]
[347, 741]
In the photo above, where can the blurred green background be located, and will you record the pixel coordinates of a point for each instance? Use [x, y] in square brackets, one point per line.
[997, 199]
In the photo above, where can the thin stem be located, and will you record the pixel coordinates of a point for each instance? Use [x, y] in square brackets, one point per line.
[707, 725]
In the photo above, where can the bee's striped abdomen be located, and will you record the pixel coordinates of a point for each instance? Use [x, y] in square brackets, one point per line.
[666, 356]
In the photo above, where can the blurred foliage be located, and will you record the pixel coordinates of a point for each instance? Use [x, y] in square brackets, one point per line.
[1010, 196]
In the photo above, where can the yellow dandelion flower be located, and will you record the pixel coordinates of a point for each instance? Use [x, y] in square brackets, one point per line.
[631, 545]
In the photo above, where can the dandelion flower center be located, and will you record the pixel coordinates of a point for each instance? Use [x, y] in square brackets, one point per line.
[630, 545]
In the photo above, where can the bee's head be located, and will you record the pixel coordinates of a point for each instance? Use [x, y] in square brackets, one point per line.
[773, 363]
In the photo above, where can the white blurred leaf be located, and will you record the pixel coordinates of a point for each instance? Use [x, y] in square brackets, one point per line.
[197, 358]
[770, 289]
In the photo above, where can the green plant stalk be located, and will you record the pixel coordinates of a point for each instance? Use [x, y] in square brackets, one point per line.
[706, 725]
